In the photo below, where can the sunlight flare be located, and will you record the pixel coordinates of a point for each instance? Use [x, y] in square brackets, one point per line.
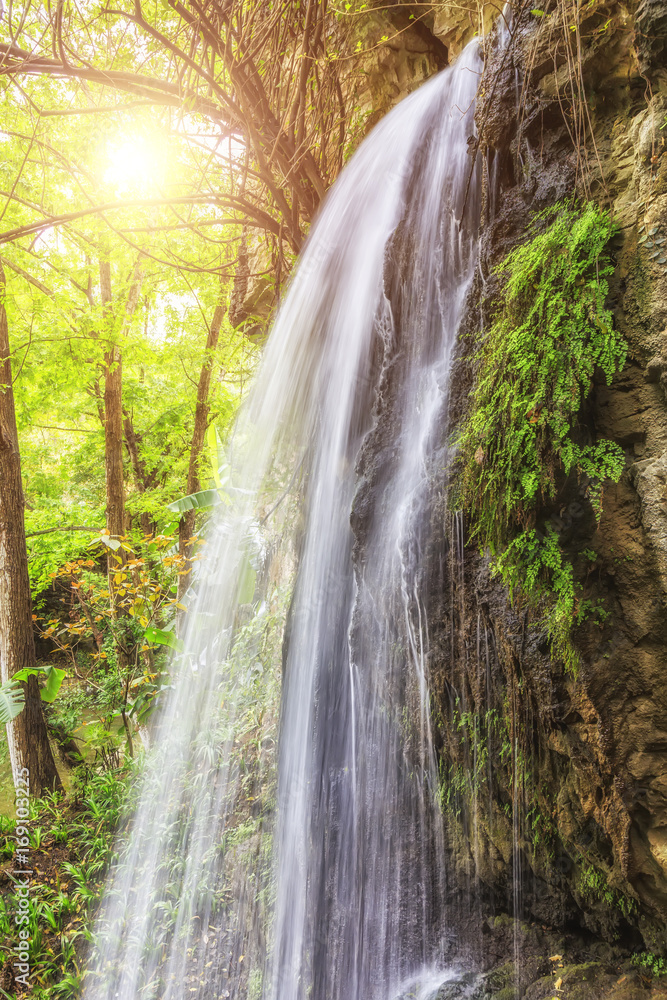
[136, 165]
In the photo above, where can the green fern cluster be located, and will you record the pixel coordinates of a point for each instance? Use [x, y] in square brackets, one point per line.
[654, 965]
[535, 367]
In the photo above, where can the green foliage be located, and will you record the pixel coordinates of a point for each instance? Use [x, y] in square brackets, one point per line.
[195, 501]
[536, 364]
[124, 616]
[163, 637]
[65, 890]
[11, 701]
[653, 964]
[593, 885]
[54, 677]
[60, 329]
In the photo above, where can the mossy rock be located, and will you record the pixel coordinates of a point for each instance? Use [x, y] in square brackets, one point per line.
[507, 993]
[502, 979]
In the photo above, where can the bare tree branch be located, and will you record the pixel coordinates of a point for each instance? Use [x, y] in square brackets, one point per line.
[262, 220]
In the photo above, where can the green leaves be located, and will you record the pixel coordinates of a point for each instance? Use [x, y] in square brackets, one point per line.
[11, 700]
[205, 498]
[54, 678]
[535, 366]
[162, 637]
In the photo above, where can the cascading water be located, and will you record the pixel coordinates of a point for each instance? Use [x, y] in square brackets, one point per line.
[353, 392]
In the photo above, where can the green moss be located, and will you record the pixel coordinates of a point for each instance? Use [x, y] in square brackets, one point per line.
[535, 368]
[507, 993]
[255, 981]
[593, 886]
[653, 964]
[503, 979]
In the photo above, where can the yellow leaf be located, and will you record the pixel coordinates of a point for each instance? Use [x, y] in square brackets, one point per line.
[558, 983]
[555, 958]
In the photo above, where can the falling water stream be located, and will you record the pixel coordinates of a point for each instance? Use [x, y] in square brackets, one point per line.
[337, 892]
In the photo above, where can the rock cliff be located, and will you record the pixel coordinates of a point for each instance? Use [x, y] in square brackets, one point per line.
[554, 786]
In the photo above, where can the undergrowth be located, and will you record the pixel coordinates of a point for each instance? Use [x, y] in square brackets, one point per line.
[71, 846]
[521, 440]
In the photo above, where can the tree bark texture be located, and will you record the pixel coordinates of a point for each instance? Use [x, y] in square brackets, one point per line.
[27, 735]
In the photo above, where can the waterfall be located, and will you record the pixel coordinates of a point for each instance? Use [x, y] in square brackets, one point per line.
[337, 893]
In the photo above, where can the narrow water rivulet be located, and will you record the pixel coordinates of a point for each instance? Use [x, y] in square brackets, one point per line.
[338, 892]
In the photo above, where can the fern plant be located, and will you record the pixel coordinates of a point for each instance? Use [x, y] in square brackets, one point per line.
[535, 367]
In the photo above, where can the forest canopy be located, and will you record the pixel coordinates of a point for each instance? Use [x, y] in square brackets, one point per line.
[159, 160]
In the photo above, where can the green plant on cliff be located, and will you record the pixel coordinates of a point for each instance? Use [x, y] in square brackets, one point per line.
[521, 439]
[593, 885]
[652, 964]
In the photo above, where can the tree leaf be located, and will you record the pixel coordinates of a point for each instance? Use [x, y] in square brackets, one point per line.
[111, 543]
[11, 700]
[205, 498]
[54, 678]
[162, 637]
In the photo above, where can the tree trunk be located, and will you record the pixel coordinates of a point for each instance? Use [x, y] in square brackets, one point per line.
[113, 424]
[186, 527]
[113, 455]
[141, 477]
[27, 735]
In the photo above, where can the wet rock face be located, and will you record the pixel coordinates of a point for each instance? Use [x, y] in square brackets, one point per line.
[554, 788]
[549, 964]
[571, 792]
[651, 37]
